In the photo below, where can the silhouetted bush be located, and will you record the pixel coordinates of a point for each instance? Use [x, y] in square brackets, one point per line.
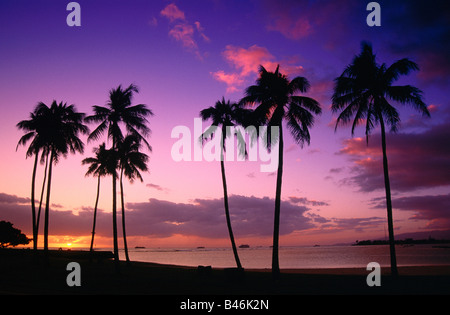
[10, 236]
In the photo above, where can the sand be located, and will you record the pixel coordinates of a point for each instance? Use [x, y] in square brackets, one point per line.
[23, 273]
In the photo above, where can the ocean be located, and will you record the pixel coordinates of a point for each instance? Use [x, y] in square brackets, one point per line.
[295, 257]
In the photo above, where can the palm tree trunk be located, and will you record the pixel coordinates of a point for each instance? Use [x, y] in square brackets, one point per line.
[33, 206]
[227, 211]
[123, 218]
[42, 195]
[95, 215]
[114, 213]
[47, 205]
[276, 224]
[387, 186]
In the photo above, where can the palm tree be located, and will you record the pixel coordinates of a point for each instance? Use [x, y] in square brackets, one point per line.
[131, 161]
[63, 125]
[224, 114]
[32, 127]
[119, 110]
[365, 91]
[55, 131]
[101, 165]
[277, 100]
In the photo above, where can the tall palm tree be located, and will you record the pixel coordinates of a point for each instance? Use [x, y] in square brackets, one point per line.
[131, 162]
[55, 131]
[63, 125]
[277, 100]
[33, 128]
[224, 114]
[101, 165]
[119, 110]
[365, 90]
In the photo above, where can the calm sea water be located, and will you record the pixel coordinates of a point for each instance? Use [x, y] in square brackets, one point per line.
[294, 257]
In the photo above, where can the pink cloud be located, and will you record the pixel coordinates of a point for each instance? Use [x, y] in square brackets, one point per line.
[232, 80]
[246, 62]
[200, 30]
[172, 12]
[184, 33]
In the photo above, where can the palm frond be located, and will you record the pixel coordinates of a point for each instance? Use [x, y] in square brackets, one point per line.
[400, 67]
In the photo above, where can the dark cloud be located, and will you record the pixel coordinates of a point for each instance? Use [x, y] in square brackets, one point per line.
[306, 201]
[157, 187]
[416, 160]
[432, 208]
[61, 222]
[13, 199]
[251, 216]
[358, 224]
[333, 225]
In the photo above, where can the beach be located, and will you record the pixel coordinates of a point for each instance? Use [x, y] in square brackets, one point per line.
[22, 272]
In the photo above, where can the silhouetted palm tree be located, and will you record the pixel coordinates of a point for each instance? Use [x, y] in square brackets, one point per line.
[277, 100]
[225, 114]
[102, 164]
[131, 162]
[119, 110]
[364, 91]
[55, 130]
[33, 128]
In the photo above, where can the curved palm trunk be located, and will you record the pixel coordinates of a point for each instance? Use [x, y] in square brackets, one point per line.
[276, 224]
[123, 219]
[95, 216]
[227, 213]
[47, 205]
[33, 206]
[387, 186]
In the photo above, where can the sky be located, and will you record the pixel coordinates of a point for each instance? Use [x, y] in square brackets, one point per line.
[186, 55]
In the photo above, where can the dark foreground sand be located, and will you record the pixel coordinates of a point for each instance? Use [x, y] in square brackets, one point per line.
[21, 272]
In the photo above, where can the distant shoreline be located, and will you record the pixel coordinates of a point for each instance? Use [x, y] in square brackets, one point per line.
[407, 241]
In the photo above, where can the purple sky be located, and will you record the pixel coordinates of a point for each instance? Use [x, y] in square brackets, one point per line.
[186, 55]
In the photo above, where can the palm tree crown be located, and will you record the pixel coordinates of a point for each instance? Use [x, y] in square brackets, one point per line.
[120, 110]
[364, 90]
[278, 100]
[102, 164]
[131, 160]
[226, 114]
